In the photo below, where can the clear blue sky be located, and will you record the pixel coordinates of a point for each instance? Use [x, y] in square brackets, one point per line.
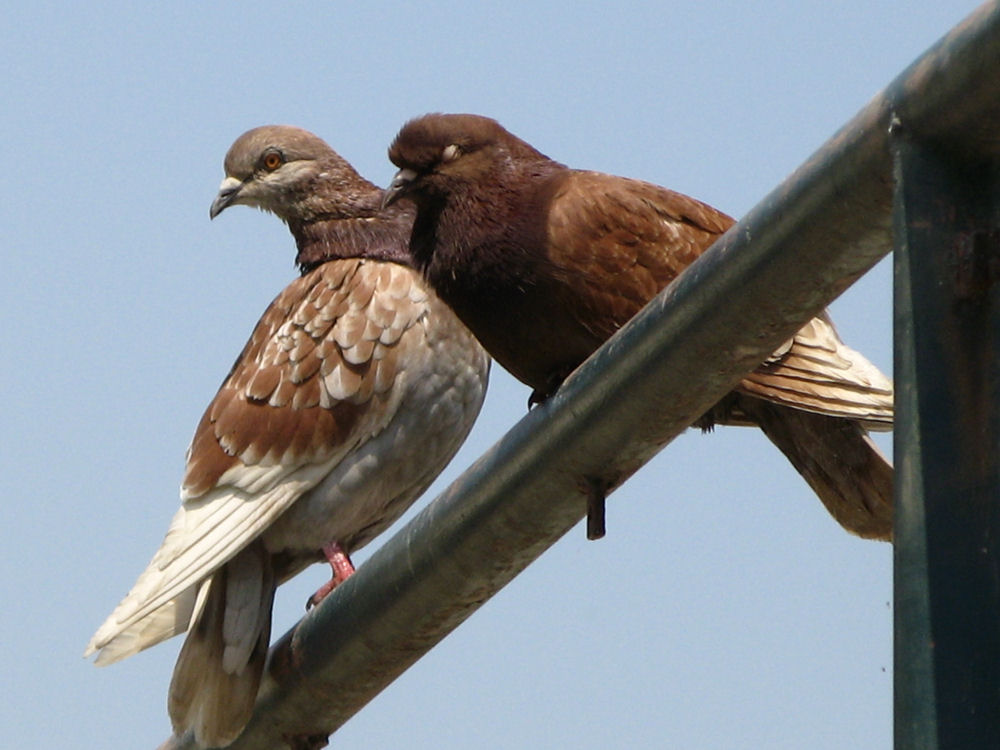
[725, 608]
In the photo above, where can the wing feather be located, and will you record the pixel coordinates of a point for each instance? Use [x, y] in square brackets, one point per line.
[815, 371]
[643, 236]
[617, 242]
[295, 403]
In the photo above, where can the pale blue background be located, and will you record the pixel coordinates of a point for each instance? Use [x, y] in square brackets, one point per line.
[725, 608]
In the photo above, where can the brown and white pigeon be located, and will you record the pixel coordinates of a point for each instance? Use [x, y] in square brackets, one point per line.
[356, 388]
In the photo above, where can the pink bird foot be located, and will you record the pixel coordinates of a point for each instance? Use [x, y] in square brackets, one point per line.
[342, 570]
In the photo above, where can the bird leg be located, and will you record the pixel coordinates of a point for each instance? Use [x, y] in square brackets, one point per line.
[597, 492]
[342, 570]
[552, 383]
[536, 397]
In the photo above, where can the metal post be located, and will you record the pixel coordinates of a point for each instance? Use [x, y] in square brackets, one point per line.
[947, 446]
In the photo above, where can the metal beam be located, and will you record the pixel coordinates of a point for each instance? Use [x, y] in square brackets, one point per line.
[947, 447]
[795, 252]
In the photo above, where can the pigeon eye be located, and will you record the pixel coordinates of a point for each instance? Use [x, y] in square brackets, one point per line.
[450, 153]
[271, 161]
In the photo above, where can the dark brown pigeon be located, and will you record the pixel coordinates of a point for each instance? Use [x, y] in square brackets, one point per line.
[544, 263]
[355, 390]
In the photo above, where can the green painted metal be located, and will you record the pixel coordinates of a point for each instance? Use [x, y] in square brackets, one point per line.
[947, 445]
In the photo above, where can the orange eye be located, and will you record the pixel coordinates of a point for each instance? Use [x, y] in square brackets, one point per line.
[272, 161]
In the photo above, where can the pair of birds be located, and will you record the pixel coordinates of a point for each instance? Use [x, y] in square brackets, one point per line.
[362, 378]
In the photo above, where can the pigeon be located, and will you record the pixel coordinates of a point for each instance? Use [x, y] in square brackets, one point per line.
[544, 263]
[356, 388]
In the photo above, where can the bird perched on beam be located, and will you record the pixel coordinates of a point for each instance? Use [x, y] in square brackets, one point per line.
[354, 391]
[544, 263]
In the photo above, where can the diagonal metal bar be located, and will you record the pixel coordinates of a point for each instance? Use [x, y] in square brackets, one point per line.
[797, 250]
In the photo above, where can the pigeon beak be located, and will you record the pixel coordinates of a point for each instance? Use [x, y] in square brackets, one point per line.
[403, 179]
[229, 190]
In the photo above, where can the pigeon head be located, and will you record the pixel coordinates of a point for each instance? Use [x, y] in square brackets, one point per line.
[286, 171]
[441, 154]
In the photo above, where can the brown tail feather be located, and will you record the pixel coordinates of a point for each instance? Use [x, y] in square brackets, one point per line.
[839, 461]
[218, 671]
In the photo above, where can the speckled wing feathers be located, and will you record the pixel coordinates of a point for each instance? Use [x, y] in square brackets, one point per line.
[309, 386]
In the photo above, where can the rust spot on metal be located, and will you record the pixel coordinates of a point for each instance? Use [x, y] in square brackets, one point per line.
[977, 259]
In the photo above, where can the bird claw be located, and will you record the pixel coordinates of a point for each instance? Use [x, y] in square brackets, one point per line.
[320, 594]
[555, 380]
[342, 568]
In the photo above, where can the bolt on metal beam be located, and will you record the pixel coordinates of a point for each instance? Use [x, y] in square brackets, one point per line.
[790, 256]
